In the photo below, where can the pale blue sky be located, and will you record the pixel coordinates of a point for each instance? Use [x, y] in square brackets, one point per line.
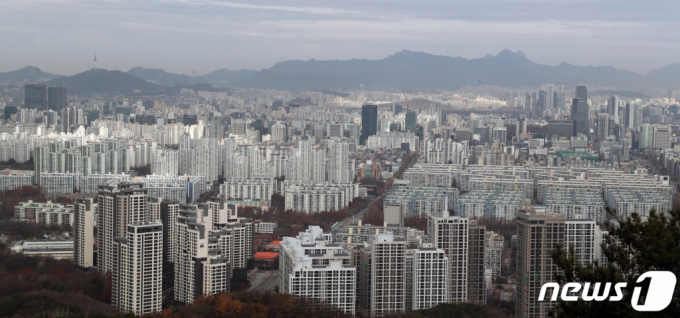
[184, 36]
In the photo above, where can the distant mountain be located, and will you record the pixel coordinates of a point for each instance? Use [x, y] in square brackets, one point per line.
[408, 70]
[99, 81]
[666, 77]
[226, 77]
[161, 77]
[218, 77]
[28, 74]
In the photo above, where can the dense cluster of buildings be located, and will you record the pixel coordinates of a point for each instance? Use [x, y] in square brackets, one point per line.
[552, 167]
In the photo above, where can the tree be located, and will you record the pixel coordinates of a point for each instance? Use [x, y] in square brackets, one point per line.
[632, 248]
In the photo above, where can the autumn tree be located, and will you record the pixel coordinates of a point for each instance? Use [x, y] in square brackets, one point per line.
[632, 248]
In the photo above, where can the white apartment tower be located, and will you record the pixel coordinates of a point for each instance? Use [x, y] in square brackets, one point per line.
[310, 266]
[169, 215]
[237, 232]
[450, 233]
[429, 277]
[131, 247]
[494, 253]
[117, 206]
[137, 269]
[382, 287]
[339, 166]
[201, 268]
[537, 235]
[580, 233]
[279, 132]
[83, 232]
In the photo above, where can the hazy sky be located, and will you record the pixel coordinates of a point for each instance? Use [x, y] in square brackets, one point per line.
[186, 36]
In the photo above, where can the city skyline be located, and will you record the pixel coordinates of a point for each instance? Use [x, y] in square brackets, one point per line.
[196, 37]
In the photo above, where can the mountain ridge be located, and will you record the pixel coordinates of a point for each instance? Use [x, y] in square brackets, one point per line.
[404, 70]
[29, 73]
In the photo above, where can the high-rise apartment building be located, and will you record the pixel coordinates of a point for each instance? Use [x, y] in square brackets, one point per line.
[117, 206]
[311, 266]
[279, 132]
[201, 266]
[369, 121]
[476, 258]
[494, 253]
[57, 98]
[137, 278]
[451, 233]
[238, 231]
[169, 215]
[537, 235]
[130, 235]
[35, 96]
[580, 233]
[83, 231]
[382, 280]
[339, 164]
[427, 277]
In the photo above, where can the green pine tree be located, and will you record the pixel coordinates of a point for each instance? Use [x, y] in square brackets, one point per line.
[632, 248]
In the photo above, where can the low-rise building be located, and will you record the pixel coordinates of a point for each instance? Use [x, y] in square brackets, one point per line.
[57, 249]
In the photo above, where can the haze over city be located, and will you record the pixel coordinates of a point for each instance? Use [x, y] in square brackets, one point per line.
[345, 159]
[196, 37]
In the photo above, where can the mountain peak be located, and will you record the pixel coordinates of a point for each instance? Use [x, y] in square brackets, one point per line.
[507, 54]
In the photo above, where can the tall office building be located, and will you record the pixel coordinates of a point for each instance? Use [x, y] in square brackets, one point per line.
[629, 117]
[57, 98]
[540, 104]
[521, 125]
[83, 231]
[613, 108]
[579, 114]
[68, 118]
[410, 121]
[311, 266]
[476, 260]
[450, 233]
[646, 136]
[581, 92]
[397, 109]
[369, 121]
[137, 279]
[537, 235]
[662, 136]
[35, 96]
[602, 127]
[382, 280]
[427, 277]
